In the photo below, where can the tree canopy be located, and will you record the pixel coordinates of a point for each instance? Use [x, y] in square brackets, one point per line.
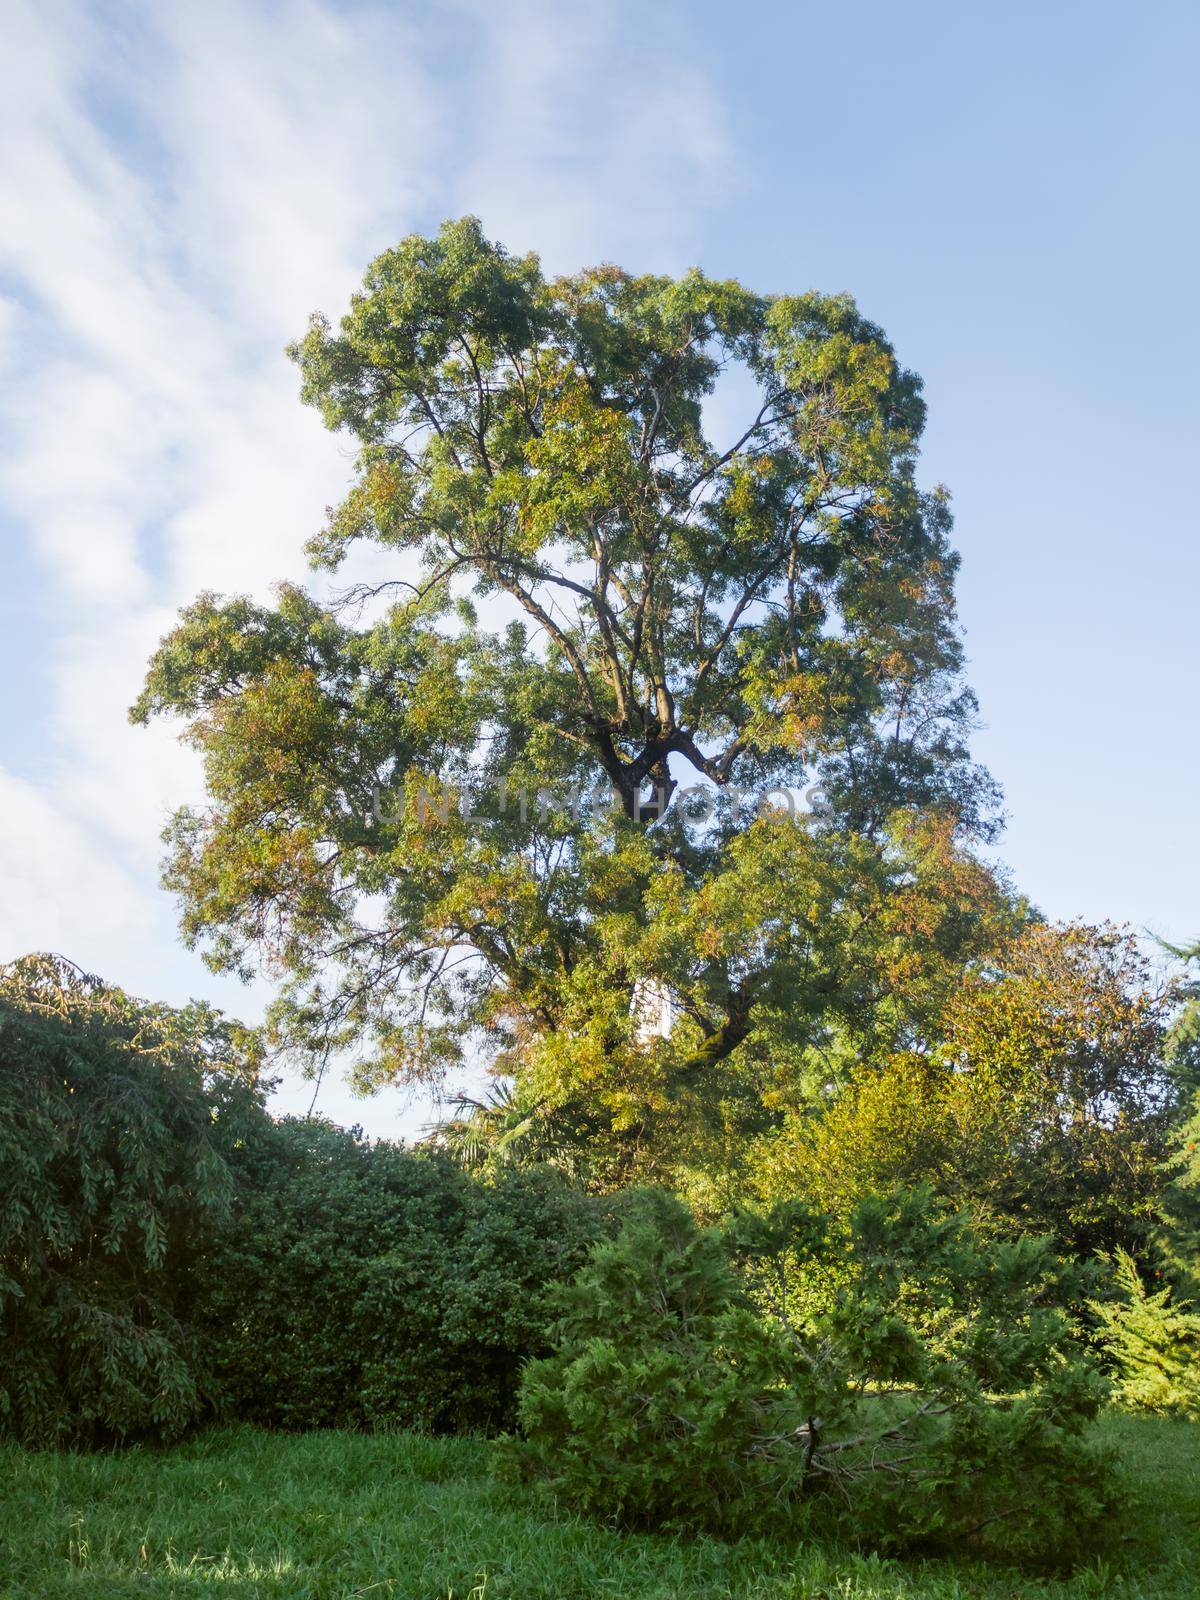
[582, 589]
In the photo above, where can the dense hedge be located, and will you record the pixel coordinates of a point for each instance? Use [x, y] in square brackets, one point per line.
[363, 1284]
[167, 1251]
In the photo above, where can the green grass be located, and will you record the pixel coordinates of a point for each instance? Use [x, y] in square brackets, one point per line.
[238, 1514]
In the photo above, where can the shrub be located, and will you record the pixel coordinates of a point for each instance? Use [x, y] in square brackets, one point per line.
[363, 1284]
[1153, 1343]
[888, 1379]
[1042, 1102]
[117, 1122]
[167, 1250]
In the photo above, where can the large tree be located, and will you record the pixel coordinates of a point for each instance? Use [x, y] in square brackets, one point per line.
[583, 589]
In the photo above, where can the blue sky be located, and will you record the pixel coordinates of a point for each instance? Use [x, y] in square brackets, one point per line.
[1011, 192]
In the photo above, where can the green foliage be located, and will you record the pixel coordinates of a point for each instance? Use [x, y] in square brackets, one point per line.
[1184, 1040]
[1153, 1343]
[1178, 1240]
[889, 1379]
[361, 1285]
[166, 1249]
[772, 608]
[1039, 1099]
[118, 1121]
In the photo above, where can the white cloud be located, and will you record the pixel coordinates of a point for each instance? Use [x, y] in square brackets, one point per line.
[51, 871]
[180, 187]
[593, 142]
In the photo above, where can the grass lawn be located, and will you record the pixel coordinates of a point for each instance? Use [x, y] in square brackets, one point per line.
[238, 1513]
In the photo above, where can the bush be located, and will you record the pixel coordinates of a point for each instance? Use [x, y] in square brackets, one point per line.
[362, 1284]
[1043, 1105]
[923, 1390]
[167, 1250]
[1153, 1344]
[117, 1123]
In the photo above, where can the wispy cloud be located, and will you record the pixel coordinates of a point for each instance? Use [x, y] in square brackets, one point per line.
[595, 141]
[180, 186]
